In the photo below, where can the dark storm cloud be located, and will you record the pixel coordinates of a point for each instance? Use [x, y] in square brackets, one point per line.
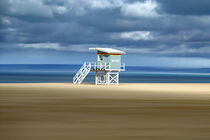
[186, 7]
[147, 27]
[4, 6]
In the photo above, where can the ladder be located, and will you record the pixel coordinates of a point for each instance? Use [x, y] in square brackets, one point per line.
[82, 73]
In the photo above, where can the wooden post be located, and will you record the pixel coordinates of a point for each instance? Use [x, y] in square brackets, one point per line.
[96, 78]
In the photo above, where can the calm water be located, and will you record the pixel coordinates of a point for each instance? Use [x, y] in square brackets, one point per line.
[64, 73]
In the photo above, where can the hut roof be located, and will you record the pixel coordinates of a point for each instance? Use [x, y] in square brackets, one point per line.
[108, 50]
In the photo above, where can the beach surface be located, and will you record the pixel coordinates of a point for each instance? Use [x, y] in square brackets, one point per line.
[63, 111]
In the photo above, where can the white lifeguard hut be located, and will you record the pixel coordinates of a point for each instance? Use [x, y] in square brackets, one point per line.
[107, 67]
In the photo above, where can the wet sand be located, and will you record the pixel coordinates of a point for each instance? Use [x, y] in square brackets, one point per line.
[127, 112]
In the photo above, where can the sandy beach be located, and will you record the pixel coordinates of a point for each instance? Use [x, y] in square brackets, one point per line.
[52, 111]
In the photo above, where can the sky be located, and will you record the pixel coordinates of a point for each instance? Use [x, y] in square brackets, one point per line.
[169, 33]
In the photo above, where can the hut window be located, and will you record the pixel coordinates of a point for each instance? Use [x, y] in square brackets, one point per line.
[100, 57]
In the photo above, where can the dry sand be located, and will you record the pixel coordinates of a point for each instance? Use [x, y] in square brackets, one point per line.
[88, 112]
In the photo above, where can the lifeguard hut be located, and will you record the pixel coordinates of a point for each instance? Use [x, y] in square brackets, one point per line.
[107, 67]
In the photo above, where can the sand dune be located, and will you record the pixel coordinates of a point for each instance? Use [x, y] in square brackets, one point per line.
[128, 111]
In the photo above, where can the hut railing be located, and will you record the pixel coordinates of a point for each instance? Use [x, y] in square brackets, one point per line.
[104, 66]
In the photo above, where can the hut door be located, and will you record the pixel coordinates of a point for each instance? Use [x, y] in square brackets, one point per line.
[100, 57]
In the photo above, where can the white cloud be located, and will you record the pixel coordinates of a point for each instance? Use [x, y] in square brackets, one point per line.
[81, 7]
[184, 49]
[5, 21]
[158, 50]
[141, 9]
[35, 8]
[60, 9]
[102, 4]
[8, 30]
[59, 47]
[54, 46]
[147, 8]
[134, 35]
[39, 8]
[164, 49]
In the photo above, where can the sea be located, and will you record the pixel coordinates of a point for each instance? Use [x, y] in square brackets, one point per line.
[64, 73]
